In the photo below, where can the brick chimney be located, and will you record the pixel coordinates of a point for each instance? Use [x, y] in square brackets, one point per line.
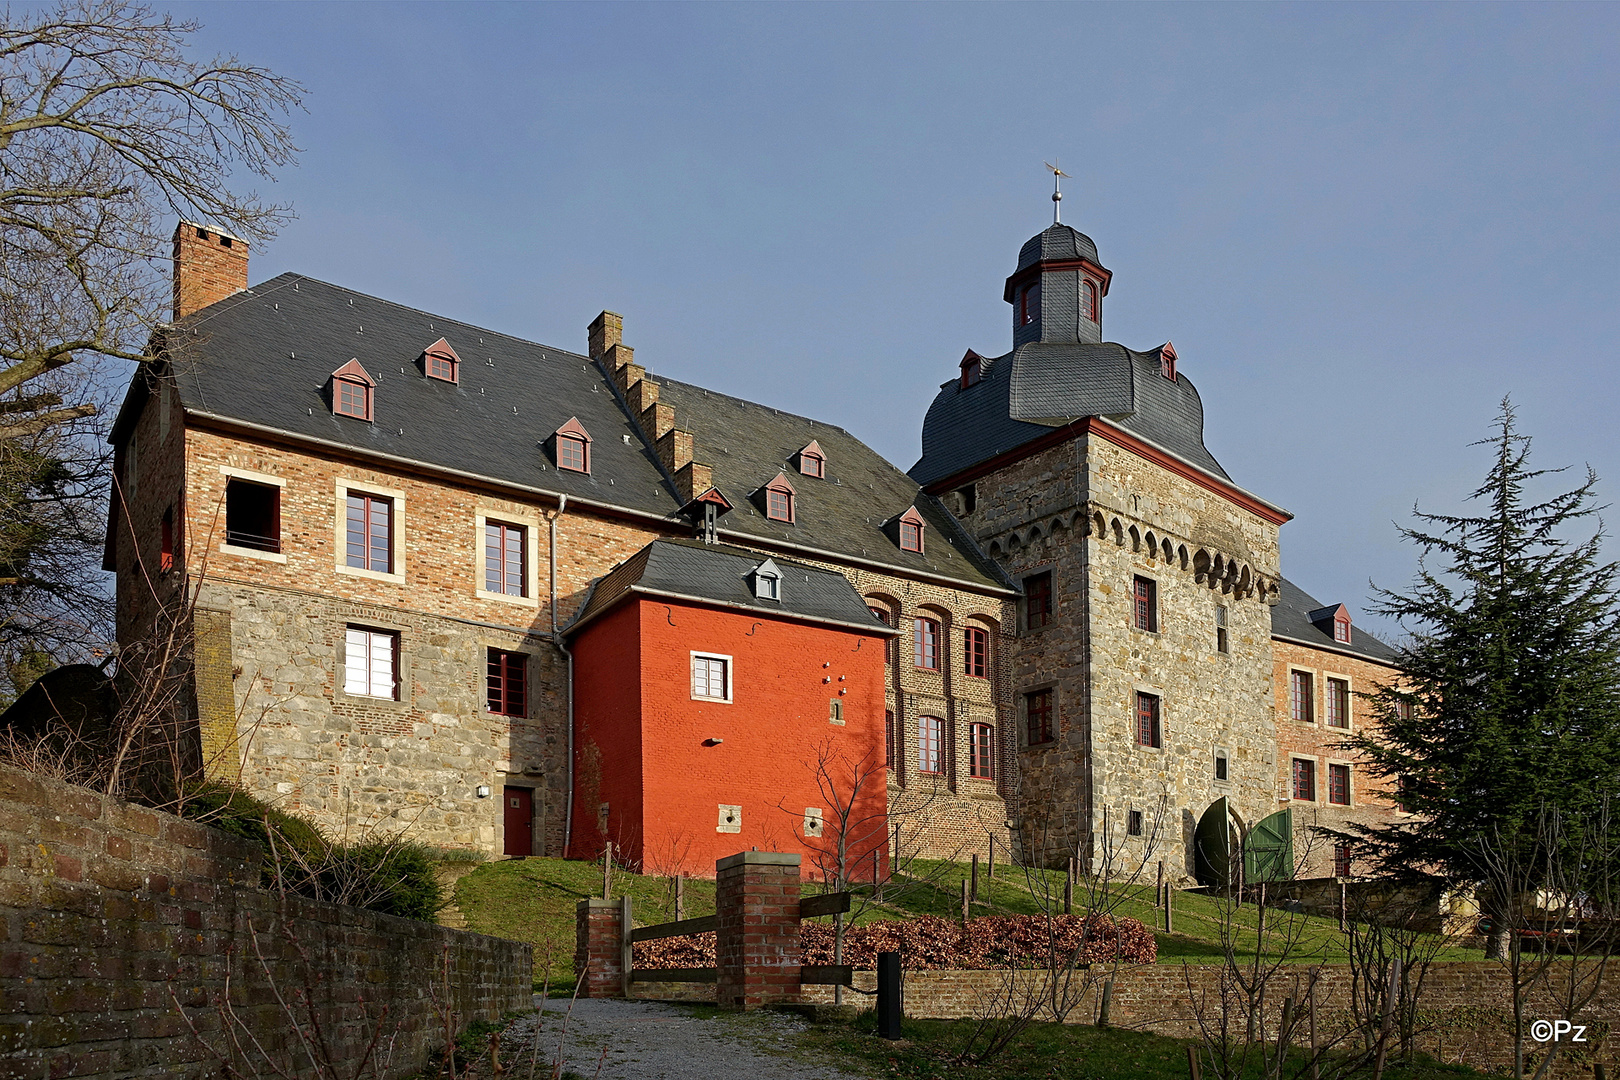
[208, 266]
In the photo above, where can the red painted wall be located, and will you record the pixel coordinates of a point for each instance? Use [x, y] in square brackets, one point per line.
[771, 734]
[607, 733]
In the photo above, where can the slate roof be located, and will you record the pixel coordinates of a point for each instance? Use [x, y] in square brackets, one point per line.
[1291, 619]
[1042, 385]
[264, 356]
[1057, 242]
[719, 574]
[747, 444]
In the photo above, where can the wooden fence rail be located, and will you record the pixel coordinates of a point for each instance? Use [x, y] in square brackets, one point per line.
[810, 974]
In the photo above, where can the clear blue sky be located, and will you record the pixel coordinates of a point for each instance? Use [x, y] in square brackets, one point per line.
[1361, 225]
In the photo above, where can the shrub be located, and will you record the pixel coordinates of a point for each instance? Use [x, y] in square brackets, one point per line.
[930, 942]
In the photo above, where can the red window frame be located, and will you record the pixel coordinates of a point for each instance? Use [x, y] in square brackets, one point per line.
[351, 397]
[370, 540]
[1336, 703]
[1341, 859]
[1088, 300]
[1038, 600]
[925, 643]
[813, 465]
[971, 370]
[888, 737]
[930, 745]
[166, 550]
[1301, 697]
[1341, 630]
[1304, 773]
[573, 453]
[1339, 785]
[976, 652]
[779, 504]
[505, 558]
[1144, 604]
[982, 751]
[1148, 729]
[911, 536]
[441, 367]
[1038, 716]
[507, 689]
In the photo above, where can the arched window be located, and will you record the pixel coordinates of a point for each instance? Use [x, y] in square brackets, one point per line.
[1088, 300]
[925, 643]
[780, 499]
[930, 744]
[813, 461]
[439, 361]
[573, 446]
[976, 652]
[911, 531]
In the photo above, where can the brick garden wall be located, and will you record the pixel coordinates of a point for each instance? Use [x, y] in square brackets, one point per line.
[107, 908]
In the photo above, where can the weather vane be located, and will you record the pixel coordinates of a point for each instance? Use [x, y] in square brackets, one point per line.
[1057, 191]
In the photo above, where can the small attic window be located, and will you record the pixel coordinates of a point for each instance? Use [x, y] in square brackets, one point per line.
[972, 369]
[1341, 627]
[911, 531]
[779, 500]
[573, 446]
[439, 361]
[1167, 361]
[1029, 304]
[1088, 299]
[352, 391]
[813, 461]
[767, 581]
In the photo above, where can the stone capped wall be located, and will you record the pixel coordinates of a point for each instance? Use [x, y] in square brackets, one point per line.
[120, 924]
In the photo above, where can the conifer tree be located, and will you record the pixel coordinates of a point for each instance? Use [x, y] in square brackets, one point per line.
[1509, 706]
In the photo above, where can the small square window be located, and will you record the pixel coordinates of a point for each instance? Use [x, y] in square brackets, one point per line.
[911, 536]
[779, 504]
[1038, 600]
[813, 465]
[572, 454]
[1341, 860]
[1145, 607]
[1133, 822]
[1222, 766]
[1038, 717]
[1148, 732]
[371, 663]
[252, 515]
[835, 711]
[506, 683]
[1304, 780]
[350, 397]
[711, 677]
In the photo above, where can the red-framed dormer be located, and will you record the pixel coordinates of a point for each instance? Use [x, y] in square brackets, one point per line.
[572, 446]
[353, 392]
[439, 361]
[812, 461]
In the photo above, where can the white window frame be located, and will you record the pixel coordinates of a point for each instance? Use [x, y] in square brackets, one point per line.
[340, 531]
[731, 676]
[230, 473]
[369, 644]
[531, 556]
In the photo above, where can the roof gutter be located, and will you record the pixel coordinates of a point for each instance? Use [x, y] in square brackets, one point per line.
[1336, 650]
[882, 568]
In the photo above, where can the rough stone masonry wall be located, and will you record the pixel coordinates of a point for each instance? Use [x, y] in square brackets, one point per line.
[1095, 515]
[1466, 1006]
[360, 763]
[106, 909]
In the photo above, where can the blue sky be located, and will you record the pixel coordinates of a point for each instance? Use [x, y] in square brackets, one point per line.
[1361, 225]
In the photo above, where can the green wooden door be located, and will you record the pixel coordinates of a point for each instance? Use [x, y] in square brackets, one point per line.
[1269, 854]
[1212, 857]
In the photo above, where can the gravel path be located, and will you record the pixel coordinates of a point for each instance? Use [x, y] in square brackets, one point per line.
[648, 1041]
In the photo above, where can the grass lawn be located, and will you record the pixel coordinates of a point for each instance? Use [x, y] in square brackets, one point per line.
[533, 900]
[1043, 1052]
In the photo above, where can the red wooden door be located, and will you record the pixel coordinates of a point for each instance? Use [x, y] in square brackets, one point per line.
[519, 821]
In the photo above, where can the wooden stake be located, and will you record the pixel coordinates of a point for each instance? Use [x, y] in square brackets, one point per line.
[1342, 907]
[607, 871]
[1168, 893]
[990, 870]
[1387, 1024]
[627, 955]
[1192, 1064]
[1310, 1003]
[1284, 1037]
[964, 903]
[973, 892]
[680, 895]
[1158, 890]
[1068, 897]
[877, 881]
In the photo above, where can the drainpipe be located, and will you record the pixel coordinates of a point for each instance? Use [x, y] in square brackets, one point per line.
[556, 639]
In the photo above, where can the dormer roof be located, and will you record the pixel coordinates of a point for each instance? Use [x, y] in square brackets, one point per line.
[1300, 618]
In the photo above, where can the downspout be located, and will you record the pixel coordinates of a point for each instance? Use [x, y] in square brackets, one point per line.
[556, 639]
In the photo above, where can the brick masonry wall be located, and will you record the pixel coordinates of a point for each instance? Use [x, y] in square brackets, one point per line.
[1371, 799]
[107, 908]
[757, 950]
[1466, 1006]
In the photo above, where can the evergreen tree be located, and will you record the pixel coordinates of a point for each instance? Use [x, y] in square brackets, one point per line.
[1509, 708]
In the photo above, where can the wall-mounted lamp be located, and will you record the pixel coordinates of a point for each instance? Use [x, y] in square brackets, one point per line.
[713, 742]
[482, 791]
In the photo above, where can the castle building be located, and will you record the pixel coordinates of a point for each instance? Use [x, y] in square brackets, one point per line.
[522, 600]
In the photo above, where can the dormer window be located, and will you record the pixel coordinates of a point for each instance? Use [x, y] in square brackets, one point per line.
[1029, 304]
[352, 391]
[573, 447]
[1341, 628]
[1335, 620]
[1088, 299]
[972, 368]
[767, 581]
[779, 499]
[813, 461]
[1167, 361]
[440, 361]
[911, 531]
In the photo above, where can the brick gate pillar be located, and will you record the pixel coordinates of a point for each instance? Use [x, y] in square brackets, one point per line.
[598, 948]
[757, 952]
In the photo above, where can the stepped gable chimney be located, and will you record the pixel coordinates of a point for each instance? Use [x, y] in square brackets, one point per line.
[1056, 292]
[675, 447]
[209, 265]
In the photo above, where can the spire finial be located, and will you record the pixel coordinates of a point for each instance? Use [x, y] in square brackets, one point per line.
[1057, 191]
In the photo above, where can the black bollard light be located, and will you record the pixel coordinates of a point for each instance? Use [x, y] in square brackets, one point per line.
[888, 995]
